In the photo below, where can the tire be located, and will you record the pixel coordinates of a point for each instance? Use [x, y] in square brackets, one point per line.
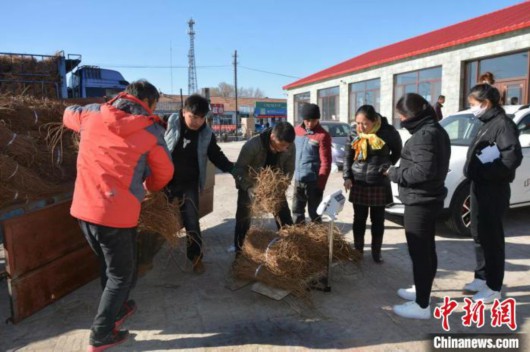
[460, 211]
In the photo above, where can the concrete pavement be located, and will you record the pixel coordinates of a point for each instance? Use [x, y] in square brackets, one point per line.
[178, 310]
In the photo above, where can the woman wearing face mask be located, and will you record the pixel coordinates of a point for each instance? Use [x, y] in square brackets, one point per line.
[490, 188]
[369, 154]
[421, 176]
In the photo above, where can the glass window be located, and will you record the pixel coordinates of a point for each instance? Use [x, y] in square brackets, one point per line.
[508, 70]
[461, 128]
[508, 66]
[426, 82]
[328, 101]
[471, 74]
[328, 92]
[430, 73]
[361, 93]
[407, 77]
[299, 101]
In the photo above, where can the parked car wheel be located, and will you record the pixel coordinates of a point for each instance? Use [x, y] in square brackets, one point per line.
[460, 211]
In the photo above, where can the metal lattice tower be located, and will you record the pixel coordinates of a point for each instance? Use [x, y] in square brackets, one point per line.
[192, 70]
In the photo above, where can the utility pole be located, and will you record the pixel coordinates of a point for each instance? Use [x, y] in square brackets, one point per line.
[192, 71]
[181, 99]
[235, 91]
[171, 64]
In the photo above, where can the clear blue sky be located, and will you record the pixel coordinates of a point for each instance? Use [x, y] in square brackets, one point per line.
[294, 38]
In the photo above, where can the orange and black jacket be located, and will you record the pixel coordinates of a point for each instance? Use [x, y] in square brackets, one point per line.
[121, 154]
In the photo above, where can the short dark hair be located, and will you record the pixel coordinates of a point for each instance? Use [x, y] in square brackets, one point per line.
[142, 89]
[441, 97]
[484, 91]
[197, 105]
[412, 105]
[368, 111]
[284, 132]
[486, 77]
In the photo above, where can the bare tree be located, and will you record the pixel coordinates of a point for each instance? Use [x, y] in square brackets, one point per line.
[227, 90]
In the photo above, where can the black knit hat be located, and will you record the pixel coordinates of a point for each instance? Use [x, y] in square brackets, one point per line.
[310, 112]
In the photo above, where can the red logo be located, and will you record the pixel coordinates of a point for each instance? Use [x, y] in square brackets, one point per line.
[445, 311]
[503, 313]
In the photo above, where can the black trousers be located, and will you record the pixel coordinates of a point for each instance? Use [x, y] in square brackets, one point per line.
[420, 228]
[306, 193]
[377, 217]
[117, 251]
[244, 218]
[188, 195]
[489, 202]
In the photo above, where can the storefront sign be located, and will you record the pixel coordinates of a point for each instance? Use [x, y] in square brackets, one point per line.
[270, 109]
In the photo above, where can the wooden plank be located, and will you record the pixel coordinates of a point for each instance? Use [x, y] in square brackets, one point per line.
[37, 238]
[34, 291]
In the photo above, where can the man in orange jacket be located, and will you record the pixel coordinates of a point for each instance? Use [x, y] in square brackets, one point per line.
[122, 152]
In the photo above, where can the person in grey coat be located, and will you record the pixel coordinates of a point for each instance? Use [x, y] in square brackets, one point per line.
[191, 144]
[273, 147]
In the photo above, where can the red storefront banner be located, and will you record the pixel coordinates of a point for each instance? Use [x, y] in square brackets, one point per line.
[217, 109]
[223, 128]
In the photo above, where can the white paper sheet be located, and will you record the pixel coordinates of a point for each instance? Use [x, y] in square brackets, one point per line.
[489, 154]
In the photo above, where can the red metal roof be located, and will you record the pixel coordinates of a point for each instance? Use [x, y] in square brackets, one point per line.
[502, 21]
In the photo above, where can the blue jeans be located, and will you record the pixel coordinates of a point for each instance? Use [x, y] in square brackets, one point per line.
[188, 196]
[117, 251]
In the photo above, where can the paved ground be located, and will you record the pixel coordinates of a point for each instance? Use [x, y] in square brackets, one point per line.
[179, 310]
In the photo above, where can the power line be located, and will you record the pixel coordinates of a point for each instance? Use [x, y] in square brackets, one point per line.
[198, 67]
[201, 67]
[271, 73]
[157, 66]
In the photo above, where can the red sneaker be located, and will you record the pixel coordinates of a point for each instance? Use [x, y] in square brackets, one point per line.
[112, 339]
[126, 311]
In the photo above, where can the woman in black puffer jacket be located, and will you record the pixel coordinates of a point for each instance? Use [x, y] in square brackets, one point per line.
[421, 176]
[490, 189]
[367, 156]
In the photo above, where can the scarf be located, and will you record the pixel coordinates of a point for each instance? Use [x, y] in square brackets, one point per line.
[361, 142]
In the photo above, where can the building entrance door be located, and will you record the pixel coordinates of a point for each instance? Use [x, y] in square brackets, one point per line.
[513, 92]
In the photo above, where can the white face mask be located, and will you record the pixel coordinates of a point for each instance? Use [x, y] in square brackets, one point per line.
[478, 110]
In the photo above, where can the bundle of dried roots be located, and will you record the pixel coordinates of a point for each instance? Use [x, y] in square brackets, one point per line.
[291, 258]
[269, 191]
[25, 181]
[161, 216]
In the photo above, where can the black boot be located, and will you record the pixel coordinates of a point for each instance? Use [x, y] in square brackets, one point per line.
[377, 243]
[358, 243]
[376, 255]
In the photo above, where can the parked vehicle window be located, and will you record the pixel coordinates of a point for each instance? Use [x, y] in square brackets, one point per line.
[461, 128]
[524, 125]
[337, 130]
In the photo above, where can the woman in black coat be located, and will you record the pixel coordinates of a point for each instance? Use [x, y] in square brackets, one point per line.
[421, 176]
[490, 189]
[371, 152]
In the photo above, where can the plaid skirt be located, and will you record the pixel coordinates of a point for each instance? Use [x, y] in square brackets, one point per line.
[363, 194]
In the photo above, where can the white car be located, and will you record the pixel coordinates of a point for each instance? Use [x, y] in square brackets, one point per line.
[462, 128]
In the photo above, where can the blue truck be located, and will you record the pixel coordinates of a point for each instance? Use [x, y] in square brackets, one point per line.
[46, 76]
